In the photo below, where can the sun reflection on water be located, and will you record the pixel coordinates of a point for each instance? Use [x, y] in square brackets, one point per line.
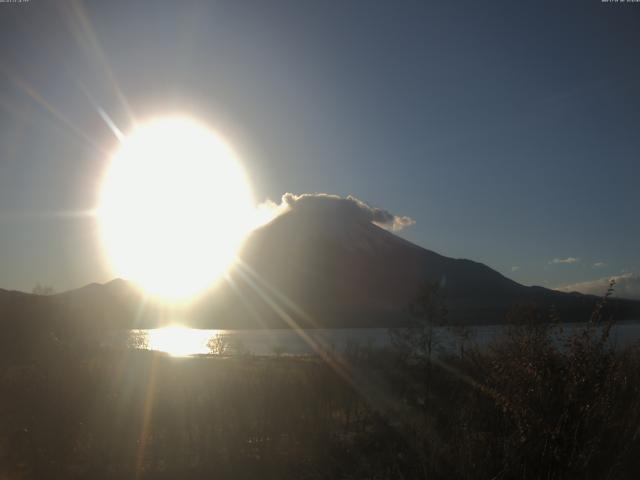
[180, 341]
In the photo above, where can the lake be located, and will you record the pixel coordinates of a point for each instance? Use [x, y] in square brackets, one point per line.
[180, 341]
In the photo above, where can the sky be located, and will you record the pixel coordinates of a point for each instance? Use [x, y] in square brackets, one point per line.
[508, 131]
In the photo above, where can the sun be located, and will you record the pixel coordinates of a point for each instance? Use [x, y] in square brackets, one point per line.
[175, 206]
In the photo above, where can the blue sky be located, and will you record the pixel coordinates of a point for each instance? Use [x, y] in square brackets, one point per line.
[507, 130]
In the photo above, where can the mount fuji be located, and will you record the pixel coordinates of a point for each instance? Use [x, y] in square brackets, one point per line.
[324, 262]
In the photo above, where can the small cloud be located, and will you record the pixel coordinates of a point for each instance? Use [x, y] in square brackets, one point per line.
[599, 264]
[515, 268]
[348, 207]
[267, 211]
[567, 260]
[627, 286]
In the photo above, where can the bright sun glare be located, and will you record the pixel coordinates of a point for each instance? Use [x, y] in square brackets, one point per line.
[175, 207]
[179, 341]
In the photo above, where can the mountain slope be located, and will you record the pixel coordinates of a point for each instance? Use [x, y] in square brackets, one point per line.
[311, 269]
[346, 272]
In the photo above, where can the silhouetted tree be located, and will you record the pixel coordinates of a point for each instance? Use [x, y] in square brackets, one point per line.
[427, 311]
[218, 345]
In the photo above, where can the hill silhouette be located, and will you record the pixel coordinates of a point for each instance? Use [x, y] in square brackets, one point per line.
[320, 267]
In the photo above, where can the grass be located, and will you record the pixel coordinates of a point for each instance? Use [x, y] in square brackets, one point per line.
[536, 403]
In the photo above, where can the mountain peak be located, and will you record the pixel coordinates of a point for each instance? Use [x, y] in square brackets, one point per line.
[326, 262]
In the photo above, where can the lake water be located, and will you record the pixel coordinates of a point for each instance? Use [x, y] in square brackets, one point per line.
[180, 341]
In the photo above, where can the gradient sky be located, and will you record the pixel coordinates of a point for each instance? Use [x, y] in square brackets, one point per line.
[510, 131]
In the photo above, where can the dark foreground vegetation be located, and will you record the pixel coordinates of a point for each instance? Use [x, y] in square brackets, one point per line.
[535, 404]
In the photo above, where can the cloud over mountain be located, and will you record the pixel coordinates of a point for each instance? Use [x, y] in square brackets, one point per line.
[347, 208]
[567, 260]
[627, 286]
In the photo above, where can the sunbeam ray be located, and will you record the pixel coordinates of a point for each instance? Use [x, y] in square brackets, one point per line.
[103, 115]
[83, 31]
[40, 100]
